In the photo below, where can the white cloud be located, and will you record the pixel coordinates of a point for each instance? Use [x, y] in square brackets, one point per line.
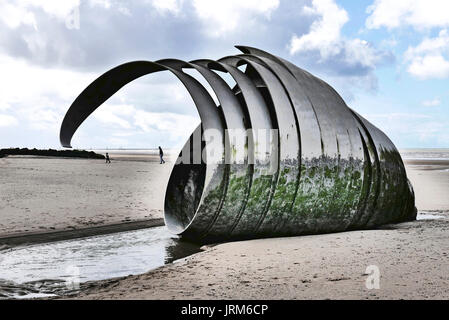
[124, 10]
[433, 44]
[325, 37]
[389, 43]
[431, 103]
[114, 114]
[101, 3]
[220, 17]
[361, 52]
[28, 84]
[15, 15]
[7, 120]
[430, 59]
[223, 16]
[429, 66]
[421, 14]
[416, 129]
[174, 125]
[44, 119]
[325, 32]
[177, 127]
[4, 105]
[21, 11]
[172, 6]
[37, 97]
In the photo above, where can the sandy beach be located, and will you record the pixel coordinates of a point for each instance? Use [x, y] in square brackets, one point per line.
[412, 258]
[41, 195]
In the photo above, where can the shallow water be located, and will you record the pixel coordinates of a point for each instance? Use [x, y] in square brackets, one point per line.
[59, 268]
[425, 216]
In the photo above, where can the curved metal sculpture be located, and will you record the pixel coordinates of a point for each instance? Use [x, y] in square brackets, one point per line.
[326, 168]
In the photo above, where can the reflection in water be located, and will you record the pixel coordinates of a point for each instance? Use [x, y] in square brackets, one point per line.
[55, 268]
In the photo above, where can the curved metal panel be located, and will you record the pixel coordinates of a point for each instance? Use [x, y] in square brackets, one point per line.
[349, 144]
[327, 171]
[240, 173]
[289, 147]
[394, 194]
[264, 176]
[310, 145]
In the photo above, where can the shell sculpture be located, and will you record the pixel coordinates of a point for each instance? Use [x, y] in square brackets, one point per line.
[281, 155]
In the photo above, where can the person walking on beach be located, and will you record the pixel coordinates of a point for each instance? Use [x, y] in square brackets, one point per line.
[161, 155]
[107, 158]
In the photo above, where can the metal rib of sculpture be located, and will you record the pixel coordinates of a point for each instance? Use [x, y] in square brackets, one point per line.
[327, 169]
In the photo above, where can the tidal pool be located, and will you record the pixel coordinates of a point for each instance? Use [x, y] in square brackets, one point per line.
[56, 268]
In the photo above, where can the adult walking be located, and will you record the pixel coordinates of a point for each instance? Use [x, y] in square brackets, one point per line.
[161, 155]
[107, 158]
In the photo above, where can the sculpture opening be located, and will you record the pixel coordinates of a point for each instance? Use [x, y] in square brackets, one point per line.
[184, 190]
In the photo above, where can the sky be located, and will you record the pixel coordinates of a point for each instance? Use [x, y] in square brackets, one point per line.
[389, 60]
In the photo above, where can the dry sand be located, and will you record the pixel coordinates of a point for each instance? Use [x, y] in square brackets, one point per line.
[40, 194]
[412, 258]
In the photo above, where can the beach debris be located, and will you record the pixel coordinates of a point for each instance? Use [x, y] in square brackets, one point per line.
[281, 155]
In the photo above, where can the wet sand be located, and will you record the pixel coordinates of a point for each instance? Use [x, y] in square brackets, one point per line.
[412, 259]
[45, 237]
[430, 180]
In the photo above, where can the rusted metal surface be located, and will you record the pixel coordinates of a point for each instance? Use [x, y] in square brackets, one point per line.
[324, 169]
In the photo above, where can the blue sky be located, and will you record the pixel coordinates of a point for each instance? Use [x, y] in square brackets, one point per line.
[388, 59]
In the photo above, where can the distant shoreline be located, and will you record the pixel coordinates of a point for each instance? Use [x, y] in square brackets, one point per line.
[50, 153]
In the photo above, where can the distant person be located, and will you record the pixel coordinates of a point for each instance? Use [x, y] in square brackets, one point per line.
[161, 155]
[107, 158]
